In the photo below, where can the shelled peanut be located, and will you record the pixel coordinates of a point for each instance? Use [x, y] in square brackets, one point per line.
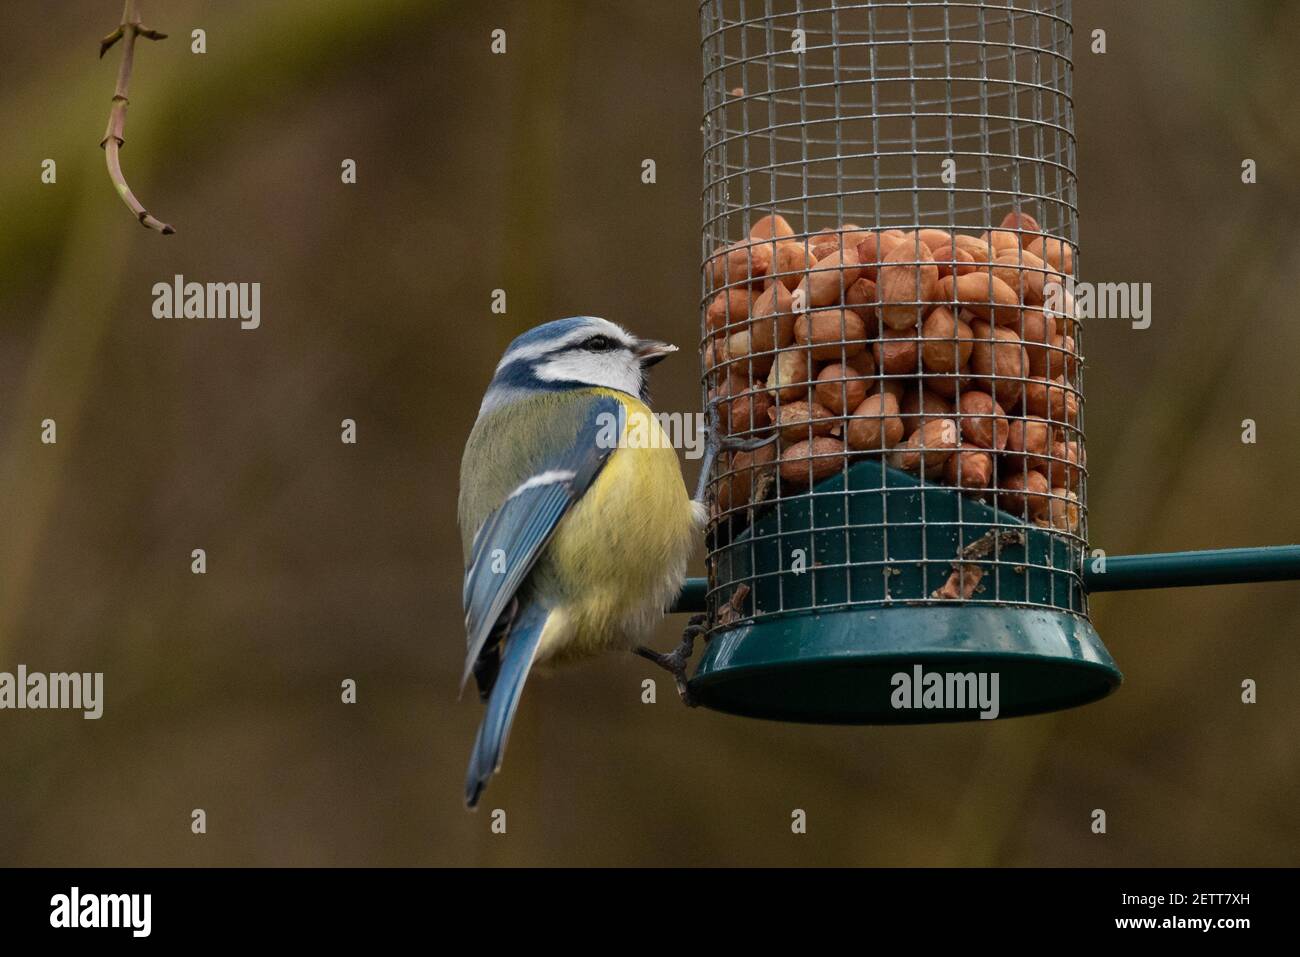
[934, 349]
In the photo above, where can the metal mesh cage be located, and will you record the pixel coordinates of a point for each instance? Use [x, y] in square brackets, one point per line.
[889, 242]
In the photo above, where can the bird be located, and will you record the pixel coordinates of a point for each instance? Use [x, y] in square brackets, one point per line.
[575, 540]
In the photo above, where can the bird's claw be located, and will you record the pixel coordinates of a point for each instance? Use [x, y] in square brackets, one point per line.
[675, 661]
[718, 440]
[732, 444]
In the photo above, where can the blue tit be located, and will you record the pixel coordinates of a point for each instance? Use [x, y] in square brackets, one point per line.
[576, 537]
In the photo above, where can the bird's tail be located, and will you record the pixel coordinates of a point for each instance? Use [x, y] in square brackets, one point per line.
[518, 651]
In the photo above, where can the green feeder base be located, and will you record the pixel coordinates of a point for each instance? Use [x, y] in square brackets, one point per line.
[826, 645]
[839, 667]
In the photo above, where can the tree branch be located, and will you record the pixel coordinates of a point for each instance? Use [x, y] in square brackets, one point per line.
[113, 142]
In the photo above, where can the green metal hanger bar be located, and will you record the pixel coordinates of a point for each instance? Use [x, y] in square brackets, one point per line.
[1216, 566]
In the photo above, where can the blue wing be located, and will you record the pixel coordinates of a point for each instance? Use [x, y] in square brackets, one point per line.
[512, 538]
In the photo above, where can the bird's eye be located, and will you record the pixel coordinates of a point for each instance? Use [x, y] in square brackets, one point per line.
[598, 344]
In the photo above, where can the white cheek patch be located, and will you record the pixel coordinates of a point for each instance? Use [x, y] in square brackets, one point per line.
[621, 372]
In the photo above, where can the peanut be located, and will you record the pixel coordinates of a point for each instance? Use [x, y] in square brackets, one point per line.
[948, 385]
[741, 409]
[790, 375]
[863, 364]
[1063, 510]
[1036, 331]
[897, 386]
[773, 324]
[875, 248]
[1055, 360]
[919, 405]
[896, 351]
[819, 247]
[839, 388]
[947, 341]
[735, 489]
[983, 423]
[1001, 239]
[811, 461]
[861, 297]
[773, 226]
[1028, 440]
[982, 293]
[928, 448]
[952, 259]
[1052, 399]
[731, 305]
[789, 264]
[970, 467]
[1026, 273]
[1024, 495]
[825, 283]
[935, 238]
[714, 353]
[907, 281]
[1023, 222]
[998, 362]
[875, 424]
[1057, 253]
[831, 333]
[1066, 465]
[797, 421]
[746, 357]
[740, 262]
[979, 249]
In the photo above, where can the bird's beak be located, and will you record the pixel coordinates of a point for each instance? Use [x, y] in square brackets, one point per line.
[650, 352]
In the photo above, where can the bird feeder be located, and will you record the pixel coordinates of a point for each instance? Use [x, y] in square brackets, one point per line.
[889, 240]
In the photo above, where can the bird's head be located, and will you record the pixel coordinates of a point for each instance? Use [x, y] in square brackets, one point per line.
[580, 352]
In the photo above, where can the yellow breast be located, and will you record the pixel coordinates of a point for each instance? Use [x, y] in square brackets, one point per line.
[619, 557]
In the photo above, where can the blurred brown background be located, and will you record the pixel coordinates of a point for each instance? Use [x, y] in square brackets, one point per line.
[328, 561]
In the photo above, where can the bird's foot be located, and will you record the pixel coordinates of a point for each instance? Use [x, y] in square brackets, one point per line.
[721, 440]
[675, 661]
[732, 444]
[717, 440]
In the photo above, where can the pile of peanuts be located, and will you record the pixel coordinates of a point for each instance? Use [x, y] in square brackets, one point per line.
[932, 348]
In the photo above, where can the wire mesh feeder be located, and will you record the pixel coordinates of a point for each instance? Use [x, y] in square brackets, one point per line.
[889, 230]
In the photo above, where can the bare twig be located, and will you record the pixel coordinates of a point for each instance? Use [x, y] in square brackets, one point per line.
[113, 142]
